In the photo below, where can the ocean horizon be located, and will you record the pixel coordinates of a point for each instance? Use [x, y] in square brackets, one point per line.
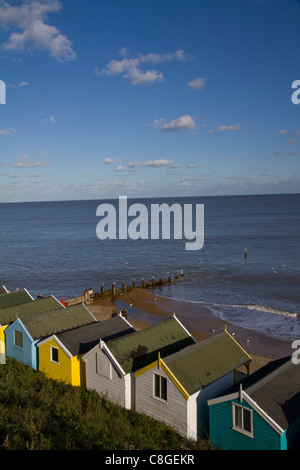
[100, 200]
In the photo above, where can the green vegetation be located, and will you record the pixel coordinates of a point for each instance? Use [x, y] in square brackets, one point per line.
[38, 413]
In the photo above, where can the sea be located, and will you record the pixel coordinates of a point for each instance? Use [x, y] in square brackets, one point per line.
[53, 248]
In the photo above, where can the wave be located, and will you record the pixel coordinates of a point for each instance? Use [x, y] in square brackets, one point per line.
[263, 308]
[257, 307]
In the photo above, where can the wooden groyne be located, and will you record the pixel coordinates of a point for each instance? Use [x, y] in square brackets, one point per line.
[89, 296]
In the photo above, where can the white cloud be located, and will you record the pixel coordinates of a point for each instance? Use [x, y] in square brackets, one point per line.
[24, 162]
[126, 168]
[109, 161]
[130, 68]
[32, 175]
[116, 67]
[224, 128]
[232, 127]
[30, 31]
[7, 131]
[138, 77]
[282, 132]
[185, 122]
[50, 119]
[97, 71]
[158, 163]
[158, 58]
[121, 168]
[19, 85]
[197, 83]
[157, 122]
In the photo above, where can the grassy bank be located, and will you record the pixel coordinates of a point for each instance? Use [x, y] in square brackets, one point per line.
[41, 414]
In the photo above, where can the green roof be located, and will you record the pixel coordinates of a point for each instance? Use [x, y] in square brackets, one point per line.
[202, 363]
[49, 323]
[10, 314]
[138, 349]
[15, 298]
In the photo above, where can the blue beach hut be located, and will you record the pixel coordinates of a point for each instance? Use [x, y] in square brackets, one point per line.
[260, 413]
[9, 314]
[23, 334]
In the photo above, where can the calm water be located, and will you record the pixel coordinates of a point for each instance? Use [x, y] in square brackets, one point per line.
[52, 248]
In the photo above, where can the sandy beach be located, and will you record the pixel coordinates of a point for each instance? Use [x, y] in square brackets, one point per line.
[145, 307]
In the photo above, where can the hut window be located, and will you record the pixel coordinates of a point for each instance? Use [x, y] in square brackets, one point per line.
[160, 387]
[242, 419]
[54, 354]
[19, 338]
[103, 366]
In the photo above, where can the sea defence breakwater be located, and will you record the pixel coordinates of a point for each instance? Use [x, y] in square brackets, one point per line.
[89, 296]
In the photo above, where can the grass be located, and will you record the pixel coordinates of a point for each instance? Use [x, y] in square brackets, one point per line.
[37, 413]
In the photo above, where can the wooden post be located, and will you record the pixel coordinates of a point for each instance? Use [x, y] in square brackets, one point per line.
[102, 289]
[123, 287]
[143, 283]
[114, 289]
[134, 284]
[153, 281]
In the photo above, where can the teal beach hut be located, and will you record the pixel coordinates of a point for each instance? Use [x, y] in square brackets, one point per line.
[260, 413]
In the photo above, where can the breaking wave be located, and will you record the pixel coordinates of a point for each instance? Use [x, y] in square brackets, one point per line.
[265, 309]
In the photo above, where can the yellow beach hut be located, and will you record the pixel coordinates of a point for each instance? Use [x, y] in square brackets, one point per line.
[60, 354]
[11, 313]
[2, 344]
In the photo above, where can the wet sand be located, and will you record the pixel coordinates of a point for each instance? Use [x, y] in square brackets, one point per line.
[146, 307]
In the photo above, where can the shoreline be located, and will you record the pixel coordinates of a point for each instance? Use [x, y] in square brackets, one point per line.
[146, 307]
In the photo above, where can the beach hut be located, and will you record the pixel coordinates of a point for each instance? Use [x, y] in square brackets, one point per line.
[14, 298]
[8, 299]
[60, 354]
[110, 365]
[23, 335]
[261, 413]
[34, 307]
[2, 344]
[175, 389]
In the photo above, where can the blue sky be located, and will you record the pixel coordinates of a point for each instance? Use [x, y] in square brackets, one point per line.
[148, 98]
